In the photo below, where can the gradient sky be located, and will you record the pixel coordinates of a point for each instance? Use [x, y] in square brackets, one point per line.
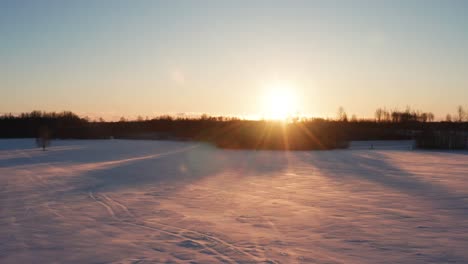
[114, 58]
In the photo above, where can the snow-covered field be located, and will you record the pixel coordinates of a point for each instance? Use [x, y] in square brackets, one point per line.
[179, 202]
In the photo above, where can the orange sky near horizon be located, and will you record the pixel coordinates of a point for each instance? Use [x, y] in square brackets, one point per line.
[152, 58]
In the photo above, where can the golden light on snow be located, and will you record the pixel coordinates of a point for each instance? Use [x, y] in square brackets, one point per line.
[279, 101]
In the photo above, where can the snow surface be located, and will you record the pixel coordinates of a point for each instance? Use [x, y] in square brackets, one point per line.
[123, 201]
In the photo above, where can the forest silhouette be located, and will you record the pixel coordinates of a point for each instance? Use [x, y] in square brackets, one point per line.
[234, 133]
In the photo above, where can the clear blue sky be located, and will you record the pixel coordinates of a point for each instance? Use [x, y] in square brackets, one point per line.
[114, 58]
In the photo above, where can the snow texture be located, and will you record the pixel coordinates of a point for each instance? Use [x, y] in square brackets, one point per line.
[123, 201]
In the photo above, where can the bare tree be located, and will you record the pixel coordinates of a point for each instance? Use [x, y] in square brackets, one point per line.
[423, 117]
[342, 116]
[430, 117]
[379, 114]
[387, 115]
[395, 116]
[448, 118]
[460, 113]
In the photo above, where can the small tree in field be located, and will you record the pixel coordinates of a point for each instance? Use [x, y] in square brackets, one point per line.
[43, 138]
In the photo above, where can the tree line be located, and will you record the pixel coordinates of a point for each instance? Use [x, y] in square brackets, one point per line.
[231, 132]
[408, 115]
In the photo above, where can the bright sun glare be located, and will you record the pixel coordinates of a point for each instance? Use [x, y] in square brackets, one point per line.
[279, 102]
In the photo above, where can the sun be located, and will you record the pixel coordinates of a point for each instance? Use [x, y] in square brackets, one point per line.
[279, 102]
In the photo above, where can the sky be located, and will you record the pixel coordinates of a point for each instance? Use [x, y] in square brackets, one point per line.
[127, 58]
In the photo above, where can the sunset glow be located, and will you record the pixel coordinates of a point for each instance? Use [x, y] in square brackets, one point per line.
[155, 58]
[279, 102]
